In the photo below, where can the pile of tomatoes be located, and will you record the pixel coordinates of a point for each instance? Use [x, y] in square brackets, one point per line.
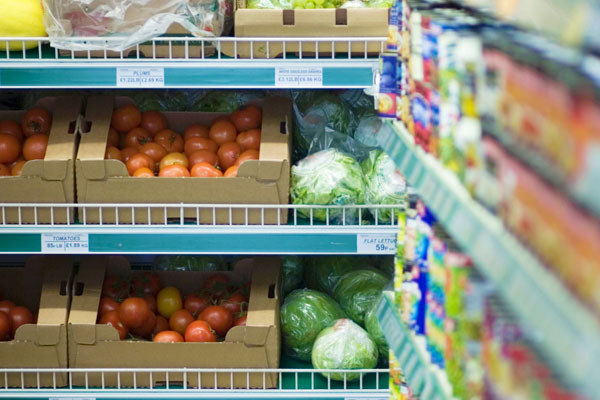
[144, 142]
[23, 141]
[12, 317]
[144, 309]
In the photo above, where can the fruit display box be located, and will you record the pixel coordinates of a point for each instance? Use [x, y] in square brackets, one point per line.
[256, 345]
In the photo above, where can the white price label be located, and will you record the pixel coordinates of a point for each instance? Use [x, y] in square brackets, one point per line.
[141, 77]
[300, 76]
[65, 243]
[376, 243]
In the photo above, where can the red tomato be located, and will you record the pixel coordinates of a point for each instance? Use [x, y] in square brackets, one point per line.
[241, 321]
[153, 122]
[174, 171]
[35, 146]
[203, 156]
[143, 173]
[199, 143]
[13, 128]
[5, 326]
[174, 158]
[127, 152]
[151, 300]
[107, 304]
[168, 337]
[17, 168]
[153, 150]
[146, 283]
[248, 117]
[162, 324]
[219, 319]
[20, 315]
[4, 170]
[36, 120]
[137, 161]
[137, 137]
[170, 140]
[196, 304]
[217, 284]
[9, 148]
[236, 303]
[114, 139]
[205, 170]
[249, 139]
[6, 306]
[199, 331]
[147, 328]
[222, 132]
[134, 312]
[112, 153]
[126, 118]
[195, 130]
[231, 171]
[247, 155]
[228, 154]
[180, 320]
[112, 318]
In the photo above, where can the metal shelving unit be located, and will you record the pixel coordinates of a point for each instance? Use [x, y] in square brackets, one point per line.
[555, 320]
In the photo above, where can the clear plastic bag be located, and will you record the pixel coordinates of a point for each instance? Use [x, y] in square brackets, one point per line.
[126, 23]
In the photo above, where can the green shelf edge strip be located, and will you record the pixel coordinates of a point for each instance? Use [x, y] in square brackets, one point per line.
[556, 321]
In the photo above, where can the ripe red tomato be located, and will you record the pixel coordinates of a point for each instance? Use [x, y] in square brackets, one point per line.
[199, 143]
[196, 304]
[222, 132]
[203, 156]
[168, 337]
[170, 140]
[195, 130]
[143, 173]
[9, 148]
[17, 168]
[153, 122]
[137, 137]
[180, 320]
[115, 287]
[112, 318]
[20, 315]
[107, 304]
[152, 305]
[231, 171]
[174, 171]
[112, 153]
[146, 283]
[153, 150]
[241, 321]
[216, 284]
[13, 128]
[162, 324]
[228, 153]
[247, 155]
[35, 146]
[127, 152]
[139, 160]
[249, 139]
[235, 303]
[134, 312]
[205, 170]
[126, 118]
[114, 139]
[36, 120]
[248, 117]
[199, 331]
[5, 326]
[4, 170]
[147, 328]
[219, 319]
[6, 306]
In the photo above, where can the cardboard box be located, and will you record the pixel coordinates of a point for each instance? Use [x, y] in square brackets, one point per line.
[318, 23]
[256, 345]
[51, 180]
[41, 286]
[265, 181]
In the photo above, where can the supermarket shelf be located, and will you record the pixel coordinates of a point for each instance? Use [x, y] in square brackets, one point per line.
[557, 323]
[425, 380]
[197, 63]
[180, 234]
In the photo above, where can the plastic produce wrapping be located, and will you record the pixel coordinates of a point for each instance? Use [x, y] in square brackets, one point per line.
[129, 22]
[384, 184]
[294, 4]
[293, 271]
[189, 263]
[328, 177]
[304, 314]
[374, 329]
[357, 291]
[344, 345]
[322, 273]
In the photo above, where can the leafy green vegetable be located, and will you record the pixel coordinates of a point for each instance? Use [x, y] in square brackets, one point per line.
[323, 272]
[374, 329]
[344, 345]
[226, 100]
[293, 270]
[304, 314]
[356, 291]
[189, 263]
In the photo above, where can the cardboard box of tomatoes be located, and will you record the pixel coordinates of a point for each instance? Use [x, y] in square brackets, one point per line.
[37, 290]
[45, 169]
[112, 304]
[105, 176]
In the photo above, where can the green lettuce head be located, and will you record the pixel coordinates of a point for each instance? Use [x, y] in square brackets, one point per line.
[323, 272]
[374, 329]
[293, 271]
[304, 314]
[357, 291]
[344, 345]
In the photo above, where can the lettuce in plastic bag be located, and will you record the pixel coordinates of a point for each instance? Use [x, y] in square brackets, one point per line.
[293, 270]
[357, 291]
[374, 329]
[328, 177]
[323, 272]
[344, 345]
[304, 314]
[189, 263]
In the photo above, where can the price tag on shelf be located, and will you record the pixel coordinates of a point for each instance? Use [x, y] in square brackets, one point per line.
[140, 77]
[56, 243]
[298, 76]
[376, 243]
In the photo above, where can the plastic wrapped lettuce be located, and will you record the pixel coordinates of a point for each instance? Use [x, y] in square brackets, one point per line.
[328, 177]
[323, 272]
[374, 329]
[189, 263]
[293, 271]
[356, 291]
[344, 345]
[304, 314]
[384, 184]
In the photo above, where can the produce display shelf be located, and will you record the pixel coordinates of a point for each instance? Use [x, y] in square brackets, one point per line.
[425, 380]
[197, 63]
[555, 320]
[181, 235]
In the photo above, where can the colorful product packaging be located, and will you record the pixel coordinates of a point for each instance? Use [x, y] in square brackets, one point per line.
[387, 85]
